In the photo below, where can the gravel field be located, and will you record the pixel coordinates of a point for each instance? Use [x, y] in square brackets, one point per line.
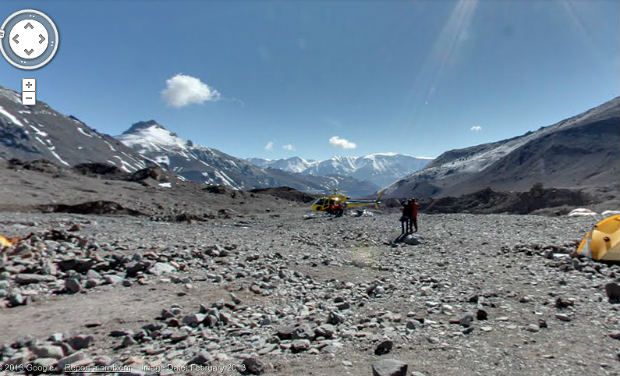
[275, 294]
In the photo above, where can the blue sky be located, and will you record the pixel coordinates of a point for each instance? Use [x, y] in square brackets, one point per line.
[410, 77]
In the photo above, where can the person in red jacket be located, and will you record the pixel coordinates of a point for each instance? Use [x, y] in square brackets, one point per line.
[413, 214]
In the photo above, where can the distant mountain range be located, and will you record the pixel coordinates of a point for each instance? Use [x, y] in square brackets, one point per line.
[40, 132]
[211, 166]
[582, 151]
[380, 169]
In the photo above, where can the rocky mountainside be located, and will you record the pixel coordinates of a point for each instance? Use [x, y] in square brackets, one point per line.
[211, 166]
[581, 151]
[39, 132]
[380, 169]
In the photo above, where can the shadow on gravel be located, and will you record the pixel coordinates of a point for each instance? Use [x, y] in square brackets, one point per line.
[114, 208]
[90, 207]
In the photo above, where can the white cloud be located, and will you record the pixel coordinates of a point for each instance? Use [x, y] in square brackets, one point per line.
[182, 90]
[288, 147]
[342, 143]
[475, 128]
[269, 146]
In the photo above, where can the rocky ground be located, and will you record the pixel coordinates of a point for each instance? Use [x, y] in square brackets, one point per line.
[275, 294]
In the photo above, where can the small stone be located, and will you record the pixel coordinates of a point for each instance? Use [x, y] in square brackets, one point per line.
[389, 367]
[201, 359]
[613, 292]
[335, 318]
[194, 319]
[103, 360]
[54, 352]
[225, 318]
[413, 324]
[253, 366]
[90, 283]
[160, 268]
[285, 332]
[466, 319]
[615, 334]
[303, 332]
[343, 306]
[542, 323]
[211, 320]
[17, 299]
[481, 314]
[325, 331]
[71, 359]
[72, 286]
[256, 289]
[300, 345]
[267, 349]
[45, 363]
[384, 347]
[127, 341]
[562, 317]
[75, 227]
[93, 274]
[235, 299]
[532, 328]
[80, 341]
[26, 279]
[120, 333]
[113, 279]
[56, 337]
[561, 303]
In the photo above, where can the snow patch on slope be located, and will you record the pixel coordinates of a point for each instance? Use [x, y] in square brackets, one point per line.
[10, 116]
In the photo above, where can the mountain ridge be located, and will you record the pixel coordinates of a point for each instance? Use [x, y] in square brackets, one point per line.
[566, 154]
[379, 168]
[210, 166]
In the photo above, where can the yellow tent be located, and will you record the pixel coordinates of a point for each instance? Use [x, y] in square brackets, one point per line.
[603, 242]
[4, 242]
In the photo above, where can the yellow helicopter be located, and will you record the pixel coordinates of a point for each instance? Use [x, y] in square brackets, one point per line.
[337, 203]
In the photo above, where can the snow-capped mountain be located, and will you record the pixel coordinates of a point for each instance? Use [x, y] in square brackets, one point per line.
[577, 152]
[380, 168]
[211, 166]
[39, 132]
[193, 162]
[294, 164]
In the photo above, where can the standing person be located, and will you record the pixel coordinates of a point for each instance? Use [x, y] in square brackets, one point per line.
[413, 214]
[404, 218]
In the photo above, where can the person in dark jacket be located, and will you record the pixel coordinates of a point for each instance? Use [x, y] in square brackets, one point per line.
[413, 215]
[404, 218]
